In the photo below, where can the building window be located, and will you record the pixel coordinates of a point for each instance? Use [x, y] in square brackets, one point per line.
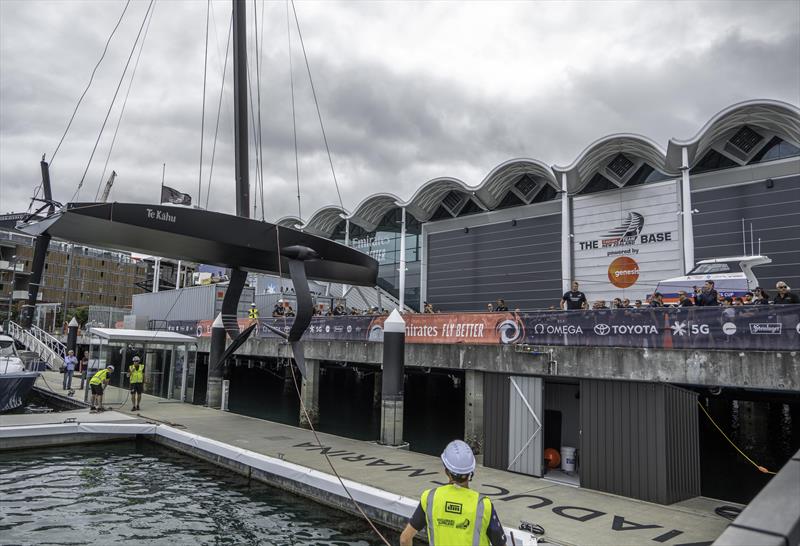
[776, 148]
[713, 161]
[598, 183]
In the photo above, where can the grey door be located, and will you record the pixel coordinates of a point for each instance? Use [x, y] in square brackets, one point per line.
[525, 425]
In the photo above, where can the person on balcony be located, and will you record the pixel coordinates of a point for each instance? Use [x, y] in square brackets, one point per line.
[785, 294]
[574, 299]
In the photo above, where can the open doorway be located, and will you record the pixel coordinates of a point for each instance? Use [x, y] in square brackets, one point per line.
[562, 431]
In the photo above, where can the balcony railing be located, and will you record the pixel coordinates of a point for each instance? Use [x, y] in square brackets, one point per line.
[758, 327]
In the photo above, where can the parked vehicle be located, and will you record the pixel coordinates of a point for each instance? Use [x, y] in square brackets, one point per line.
[732, 277]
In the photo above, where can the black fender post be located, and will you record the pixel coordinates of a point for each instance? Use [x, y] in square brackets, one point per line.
[72, 336]
[394, 345]
[214, 389]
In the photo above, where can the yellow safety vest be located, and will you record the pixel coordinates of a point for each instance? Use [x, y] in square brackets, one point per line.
[253, 313]
[137, 376]
[456, 515]
[99, 377]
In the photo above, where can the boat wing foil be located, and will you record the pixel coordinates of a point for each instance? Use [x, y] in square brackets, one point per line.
[205, 237]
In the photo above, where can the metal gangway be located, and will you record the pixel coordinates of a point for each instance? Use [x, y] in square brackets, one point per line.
[49, 349]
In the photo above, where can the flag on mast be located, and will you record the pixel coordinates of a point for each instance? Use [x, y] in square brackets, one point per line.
[174, 197]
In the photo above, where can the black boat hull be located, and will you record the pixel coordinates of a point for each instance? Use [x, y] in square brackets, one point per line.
[14, 387]
[204, 237]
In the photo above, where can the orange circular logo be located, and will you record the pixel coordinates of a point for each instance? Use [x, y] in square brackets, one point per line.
[623, 272]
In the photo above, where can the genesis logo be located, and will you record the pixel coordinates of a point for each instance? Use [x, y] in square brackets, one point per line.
[630, 228]
[602, 329]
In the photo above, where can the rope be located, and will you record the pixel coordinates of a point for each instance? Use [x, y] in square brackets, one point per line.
[308, 419]
[113, 99]
[294, 118]
[316, 103]
[124, 103]
[219, 110]
[91, 78]
[761, 469]
[203, 115]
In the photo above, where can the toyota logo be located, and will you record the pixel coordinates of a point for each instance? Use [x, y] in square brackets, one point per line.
[602, 329]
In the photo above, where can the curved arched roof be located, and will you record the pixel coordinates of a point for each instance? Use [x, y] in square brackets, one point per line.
[324, 221]
[501, 179]
[289, 221]
[775, 116]
[371, 210]
[429, 196]
[595, 156]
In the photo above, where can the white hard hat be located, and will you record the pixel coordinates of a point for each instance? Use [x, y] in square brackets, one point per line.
[253, 304]
[136, 359]
[110, 367]
[458, 458]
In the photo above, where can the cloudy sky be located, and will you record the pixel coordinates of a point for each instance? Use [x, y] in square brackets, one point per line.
[408, 91]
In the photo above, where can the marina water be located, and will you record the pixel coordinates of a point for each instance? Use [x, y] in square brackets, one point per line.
[138, 492]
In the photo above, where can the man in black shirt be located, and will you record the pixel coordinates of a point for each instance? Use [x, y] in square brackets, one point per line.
[574, 299]
[708, 296]
[784, 294]
[501, 306]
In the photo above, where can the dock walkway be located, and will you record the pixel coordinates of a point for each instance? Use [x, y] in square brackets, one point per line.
[569, 515]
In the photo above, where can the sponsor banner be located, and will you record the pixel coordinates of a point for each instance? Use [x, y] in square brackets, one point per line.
[626, 240]
[767, 327]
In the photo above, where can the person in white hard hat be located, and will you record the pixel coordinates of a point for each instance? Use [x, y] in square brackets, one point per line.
[136, 375]
[454, 513]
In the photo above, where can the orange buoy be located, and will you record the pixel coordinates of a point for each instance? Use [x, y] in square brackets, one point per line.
[552, 457]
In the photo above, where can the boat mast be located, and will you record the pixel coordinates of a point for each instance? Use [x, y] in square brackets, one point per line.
[230, 302]
[240, 107]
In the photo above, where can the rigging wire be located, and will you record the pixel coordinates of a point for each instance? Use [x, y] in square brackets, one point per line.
[124, 103]
[219, 110]
[316, 103]
[260, 172]
[305, 411]
[113, 99]
[294, 115]
[91, 78]
[203, 115]
[255, 140]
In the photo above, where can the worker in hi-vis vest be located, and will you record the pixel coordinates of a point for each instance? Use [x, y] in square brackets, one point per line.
[454, 513]
[253, 313]
[136, 375]
[97, 383]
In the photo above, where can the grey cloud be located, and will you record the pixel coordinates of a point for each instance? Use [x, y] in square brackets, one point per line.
[388, 130]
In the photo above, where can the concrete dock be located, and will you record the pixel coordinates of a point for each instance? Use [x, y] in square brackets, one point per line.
[569, 515]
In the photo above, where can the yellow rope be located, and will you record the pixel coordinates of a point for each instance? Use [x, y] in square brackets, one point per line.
[760, 468]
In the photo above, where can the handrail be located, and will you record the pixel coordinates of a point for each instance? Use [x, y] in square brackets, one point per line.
[49, 349]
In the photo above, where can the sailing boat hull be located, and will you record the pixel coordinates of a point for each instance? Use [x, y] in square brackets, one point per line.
[204, 237]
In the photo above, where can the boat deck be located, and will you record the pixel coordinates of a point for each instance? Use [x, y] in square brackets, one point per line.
[569, 515]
